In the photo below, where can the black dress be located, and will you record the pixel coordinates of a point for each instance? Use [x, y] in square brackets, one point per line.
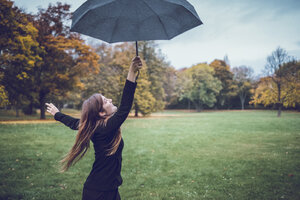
[105, 176]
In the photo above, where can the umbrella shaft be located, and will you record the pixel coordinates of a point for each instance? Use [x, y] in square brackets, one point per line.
[136, 49]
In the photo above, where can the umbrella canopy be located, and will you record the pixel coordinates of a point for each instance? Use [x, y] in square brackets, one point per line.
[134, 20]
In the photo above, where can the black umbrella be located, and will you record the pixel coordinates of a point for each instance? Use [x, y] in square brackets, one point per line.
[134, 20]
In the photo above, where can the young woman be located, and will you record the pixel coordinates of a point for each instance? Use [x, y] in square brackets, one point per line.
[100, 122]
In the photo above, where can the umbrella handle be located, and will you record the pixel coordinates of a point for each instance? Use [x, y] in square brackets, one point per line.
[137, 76]
[137, 54]
[136, 49]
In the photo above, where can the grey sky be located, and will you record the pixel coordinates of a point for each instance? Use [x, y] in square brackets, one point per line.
[246, 30]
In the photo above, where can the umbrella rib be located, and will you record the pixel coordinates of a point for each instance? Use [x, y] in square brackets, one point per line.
[158, 18]
[114, 29]
[193, 11]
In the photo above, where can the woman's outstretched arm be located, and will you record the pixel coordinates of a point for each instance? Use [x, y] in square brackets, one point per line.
[120, 116]
[67, 120]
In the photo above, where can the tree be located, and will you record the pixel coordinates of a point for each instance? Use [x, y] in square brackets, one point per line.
[273, 69]
[223, 73]
[291, 93]
[226, 60]
[267, 91]
[144, 101]
[243, 81]
[109, 81]
[19, 53]
[66, 59]
[169, 86]
[156, 70]
[199, 85]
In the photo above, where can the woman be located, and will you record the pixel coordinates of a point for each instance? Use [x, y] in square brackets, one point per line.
[100, 122]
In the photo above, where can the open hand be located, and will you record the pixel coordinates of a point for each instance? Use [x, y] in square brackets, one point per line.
[51, 108]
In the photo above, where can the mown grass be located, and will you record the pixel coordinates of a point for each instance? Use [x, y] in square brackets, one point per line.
[10, 115]
[209, 155]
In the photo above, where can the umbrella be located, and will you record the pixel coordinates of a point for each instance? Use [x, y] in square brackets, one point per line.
[134, 20]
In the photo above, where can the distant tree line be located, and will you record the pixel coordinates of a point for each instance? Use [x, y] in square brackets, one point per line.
[41, 60]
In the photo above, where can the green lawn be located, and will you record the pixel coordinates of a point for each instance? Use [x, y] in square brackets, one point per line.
[10, 115]
[210, 155]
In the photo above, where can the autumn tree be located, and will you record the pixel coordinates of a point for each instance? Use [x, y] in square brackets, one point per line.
[105, 81]
[66, 58]
[276, 78]
[243, 82]
[19, 53]
[223, 73]
[291, 93]
[267, 91]
[144, 101]
[109, 81]
[156, 70]
[199, 85]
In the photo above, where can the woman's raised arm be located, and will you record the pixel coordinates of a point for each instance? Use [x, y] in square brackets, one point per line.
[127, 97]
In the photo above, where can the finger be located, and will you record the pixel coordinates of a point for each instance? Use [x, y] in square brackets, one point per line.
[138, 62]
[47, 104]
[137, 58]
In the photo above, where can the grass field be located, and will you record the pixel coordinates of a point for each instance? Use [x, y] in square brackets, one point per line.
[175, 155]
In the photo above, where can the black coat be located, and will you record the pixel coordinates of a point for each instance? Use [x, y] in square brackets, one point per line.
[106, 172]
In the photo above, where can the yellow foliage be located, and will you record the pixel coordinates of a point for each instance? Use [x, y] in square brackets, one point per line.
[3, 96]
[22, 76]
[267, 93]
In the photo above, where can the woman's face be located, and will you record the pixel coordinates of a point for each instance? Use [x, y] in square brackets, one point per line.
[108, 107]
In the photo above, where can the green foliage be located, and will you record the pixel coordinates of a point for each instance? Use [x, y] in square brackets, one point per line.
[243, 82]
[169, 85]
[223, 73]
[109, 80]
[156, 71]
[144, 100]
[199, 85]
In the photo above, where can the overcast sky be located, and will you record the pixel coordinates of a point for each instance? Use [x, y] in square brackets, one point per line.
[247, 31]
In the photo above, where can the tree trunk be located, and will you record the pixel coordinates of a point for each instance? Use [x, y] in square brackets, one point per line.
[279, 110]
[30, 107]
[42, 105]
[279, 100]
[198, 107]
[17, 111]
[136, 112]
[243, 103]
[242, 98]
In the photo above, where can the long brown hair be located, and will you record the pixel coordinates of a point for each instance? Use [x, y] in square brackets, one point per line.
[89, 121]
